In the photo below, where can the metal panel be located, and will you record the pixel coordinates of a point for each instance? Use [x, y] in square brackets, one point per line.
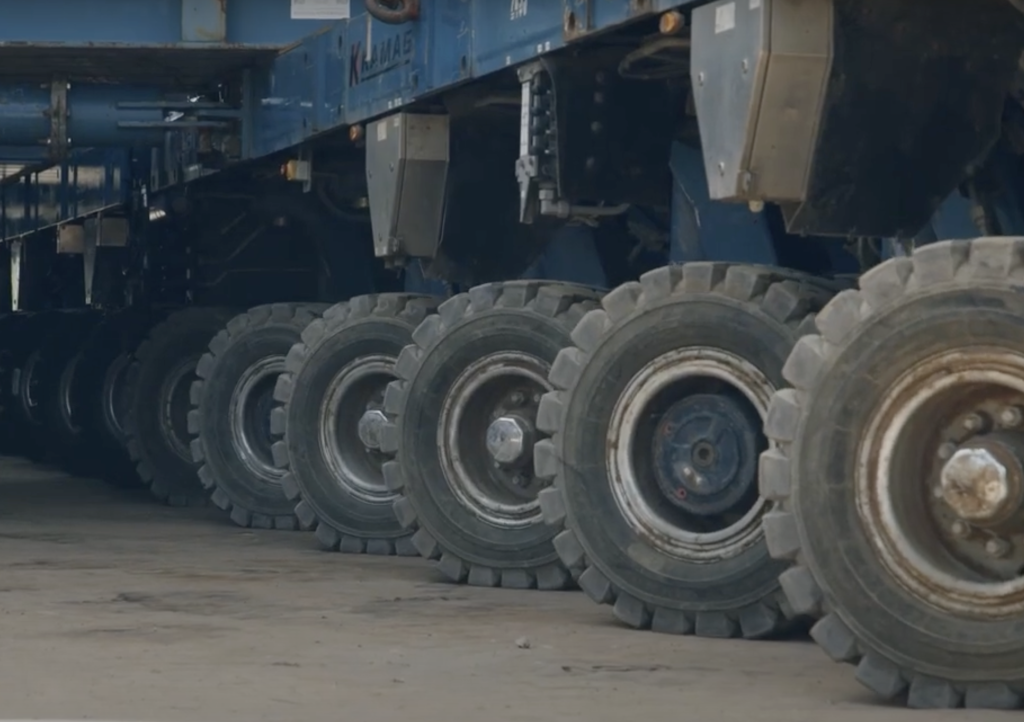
[760, 68]
[406, 171]
[204, 21]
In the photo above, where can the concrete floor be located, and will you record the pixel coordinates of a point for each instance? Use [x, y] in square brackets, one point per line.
[114, 608]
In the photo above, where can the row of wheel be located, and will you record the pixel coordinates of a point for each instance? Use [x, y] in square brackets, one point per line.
[690, 449]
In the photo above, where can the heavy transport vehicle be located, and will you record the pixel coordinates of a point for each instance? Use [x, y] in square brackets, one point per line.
[711, 309]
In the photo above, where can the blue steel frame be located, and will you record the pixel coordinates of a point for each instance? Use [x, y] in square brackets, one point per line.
[331, 76]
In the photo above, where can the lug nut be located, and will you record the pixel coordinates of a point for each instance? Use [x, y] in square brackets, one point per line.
[946, 451]
[960, 529]
[997, 547]
[973, 422]
[1011, 416]
[517, 398]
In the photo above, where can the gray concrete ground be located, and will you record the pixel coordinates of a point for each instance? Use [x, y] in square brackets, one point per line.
[115, 608]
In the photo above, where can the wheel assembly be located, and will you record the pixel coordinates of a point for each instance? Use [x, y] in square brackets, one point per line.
[16, 336]
[655, 430]
[462, 424]
[330, 418]
[231, 407]
[41, 386]
[97, 400]
[46, 384]
[158, 384]
[900, 467]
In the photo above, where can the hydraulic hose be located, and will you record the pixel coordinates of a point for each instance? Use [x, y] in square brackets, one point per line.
[393, 12]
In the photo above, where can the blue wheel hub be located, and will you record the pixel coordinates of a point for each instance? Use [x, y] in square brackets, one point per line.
[705, 453]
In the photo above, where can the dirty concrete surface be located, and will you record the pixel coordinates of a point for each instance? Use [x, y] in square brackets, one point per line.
[114, 608]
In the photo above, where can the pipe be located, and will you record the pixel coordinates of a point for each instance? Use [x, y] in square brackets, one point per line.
[82, 116]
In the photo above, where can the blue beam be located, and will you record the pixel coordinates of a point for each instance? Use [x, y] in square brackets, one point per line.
[163, 23]
[361, 68]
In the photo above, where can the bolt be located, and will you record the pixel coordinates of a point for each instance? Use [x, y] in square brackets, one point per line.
[960, 529]
[1011, 416]
[521, 481]
[946, 451]
[973, 422]
[536, 398]
[517, 398]
[700, 78]
[996, 547]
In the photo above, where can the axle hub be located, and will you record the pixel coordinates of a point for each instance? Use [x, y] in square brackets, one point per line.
[983, 481]
[509, 440]
[371, 424]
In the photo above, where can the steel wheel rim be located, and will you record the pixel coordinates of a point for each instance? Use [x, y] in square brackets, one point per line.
[355, 389]
[67, 380]
[113, 395]
[668, 371]
[461, 438]
[175, 403]
[922, 560]
[249, 413]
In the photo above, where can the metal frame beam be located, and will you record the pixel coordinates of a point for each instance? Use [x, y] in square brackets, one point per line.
[162, 23]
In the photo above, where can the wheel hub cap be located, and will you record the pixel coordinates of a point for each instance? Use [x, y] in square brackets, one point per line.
[371, 425]
[983, 482]
[509, 440]
[705, 452]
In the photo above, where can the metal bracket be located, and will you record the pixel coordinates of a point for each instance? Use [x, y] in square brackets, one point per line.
[59, 143]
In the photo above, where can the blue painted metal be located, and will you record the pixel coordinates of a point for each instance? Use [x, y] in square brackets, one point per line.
[95, 116]
[361, 68]
[89, 182]
[135, 23]
[705, 452]
[706, 230]
[570, 256]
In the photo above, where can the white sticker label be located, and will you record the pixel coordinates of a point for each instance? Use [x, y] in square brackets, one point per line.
[725, 17]
[320, 9]
[755, 4]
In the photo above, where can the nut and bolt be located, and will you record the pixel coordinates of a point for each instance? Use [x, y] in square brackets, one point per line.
[973, 422]
[960, 529]
[998, 548]
[1011, 416]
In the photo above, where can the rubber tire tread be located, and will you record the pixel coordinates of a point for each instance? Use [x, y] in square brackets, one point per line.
[949, 264]
[174, 487]
[294, 315]
[790, 298]
[563, 303]
[406, 309]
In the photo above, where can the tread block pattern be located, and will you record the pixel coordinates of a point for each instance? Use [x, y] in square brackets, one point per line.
[879, 289]
[413, 308]
[789, 297]
[165, 490]
[566, 303]
[298, 314]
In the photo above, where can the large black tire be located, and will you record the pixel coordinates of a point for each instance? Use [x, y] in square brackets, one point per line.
[483, 357]
[16, 340]
[100, 404]
[57, 337]
[159, 383]
[332, 378]
[913, 597]
[46, 394]
[687, 350]
[231, 408]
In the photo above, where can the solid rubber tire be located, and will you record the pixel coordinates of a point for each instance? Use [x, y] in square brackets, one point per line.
[905, 310]
[376, 324]
[756, 313]
[534, 317]
[259, 333]
[182, 335]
